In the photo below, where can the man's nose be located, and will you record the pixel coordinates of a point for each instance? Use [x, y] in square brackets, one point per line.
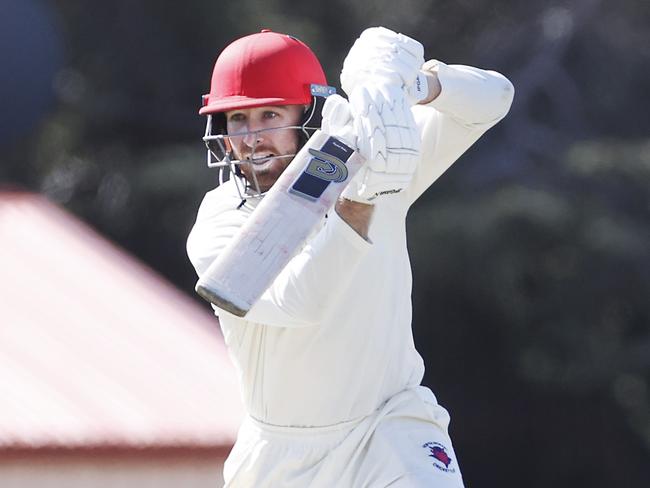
[252, 138]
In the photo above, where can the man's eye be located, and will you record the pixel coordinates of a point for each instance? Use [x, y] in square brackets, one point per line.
[271, 115]
[237, 117]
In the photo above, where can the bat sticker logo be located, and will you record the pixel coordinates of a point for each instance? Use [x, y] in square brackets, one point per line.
[326, 167]
[322, 168]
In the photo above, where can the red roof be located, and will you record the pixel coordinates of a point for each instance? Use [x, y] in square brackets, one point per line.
[96, 349]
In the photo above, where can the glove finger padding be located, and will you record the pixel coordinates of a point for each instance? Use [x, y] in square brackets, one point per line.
[369, 126]
[391, 67]
[387, 137]
[336, 110]
[384, 116]
[387, 47]
[404, 138]
[337, 120]
[387, 36]
[380, 50]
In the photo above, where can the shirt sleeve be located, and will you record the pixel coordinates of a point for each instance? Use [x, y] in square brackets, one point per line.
[471, 101]
[217, 221]
[308, 287]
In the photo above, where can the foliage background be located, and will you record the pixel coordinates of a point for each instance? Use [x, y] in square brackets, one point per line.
[531, 255]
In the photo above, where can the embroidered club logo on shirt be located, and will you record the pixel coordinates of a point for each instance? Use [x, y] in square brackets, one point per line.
[441, 459]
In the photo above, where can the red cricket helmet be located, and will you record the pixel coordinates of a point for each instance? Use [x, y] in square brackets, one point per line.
[267, 68]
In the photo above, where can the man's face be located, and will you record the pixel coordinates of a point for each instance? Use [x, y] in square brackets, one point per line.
[269, 143]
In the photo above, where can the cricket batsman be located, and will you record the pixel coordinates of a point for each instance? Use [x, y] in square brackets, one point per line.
[328, 369]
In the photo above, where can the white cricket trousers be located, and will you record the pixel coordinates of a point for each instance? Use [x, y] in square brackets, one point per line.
[403, 444]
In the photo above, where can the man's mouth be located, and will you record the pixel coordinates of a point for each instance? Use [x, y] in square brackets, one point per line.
[260, 159]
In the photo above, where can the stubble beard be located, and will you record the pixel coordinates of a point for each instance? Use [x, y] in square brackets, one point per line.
[268, 172]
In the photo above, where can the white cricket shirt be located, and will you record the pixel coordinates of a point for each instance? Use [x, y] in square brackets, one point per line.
[330, 341]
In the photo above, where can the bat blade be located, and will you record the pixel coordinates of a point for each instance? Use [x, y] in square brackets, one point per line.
[280, 224]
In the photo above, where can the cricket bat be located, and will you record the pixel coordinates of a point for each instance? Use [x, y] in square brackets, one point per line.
[280, 224]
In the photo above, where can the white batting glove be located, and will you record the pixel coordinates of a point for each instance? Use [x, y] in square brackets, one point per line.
[380, 125]
[382, 114]
[386, 57]
[337, 120]
[366, 137]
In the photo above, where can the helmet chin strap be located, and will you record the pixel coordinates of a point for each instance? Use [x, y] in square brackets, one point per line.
[312, 110]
